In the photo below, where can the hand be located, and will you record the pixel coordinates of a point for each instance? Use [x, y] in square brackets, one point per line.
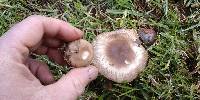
[18, 72]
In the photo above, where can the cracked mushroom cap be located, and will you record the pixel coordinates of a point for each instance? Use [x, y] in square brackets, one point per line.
[119, 55]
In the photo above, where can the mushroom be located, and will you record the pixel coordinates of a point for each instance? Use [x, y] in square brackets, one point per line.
[119, 56]
[79, 53]
[147, 36]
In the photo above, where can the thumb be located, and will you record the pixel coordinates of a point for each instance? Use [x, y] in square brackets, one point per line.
[72, 85]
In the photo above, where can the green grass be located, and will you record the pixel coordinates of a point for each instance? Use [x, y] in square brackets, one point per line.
[173, 70]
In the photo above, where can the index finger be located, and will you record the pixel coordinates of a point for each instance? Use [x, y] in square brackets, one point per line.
[30, 31]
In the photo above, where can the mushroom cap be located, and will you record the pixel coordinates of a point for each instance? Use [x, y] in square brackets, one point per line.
[148, 36]
[119, 56]
[79, 53]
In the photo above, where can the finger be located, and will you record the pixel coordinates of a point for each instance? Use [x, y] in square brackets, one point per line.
[56, 55]
[41, 50]
[72, 85]
[41, 71]
[47, 43]
[52, 42]
[29, 32]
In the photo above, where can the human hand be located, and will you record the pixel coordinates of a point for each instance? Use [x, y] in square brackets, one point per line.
[18, 72]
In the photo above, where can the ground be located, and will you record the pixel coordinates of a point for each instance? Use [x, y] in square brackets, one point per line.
[173, 70]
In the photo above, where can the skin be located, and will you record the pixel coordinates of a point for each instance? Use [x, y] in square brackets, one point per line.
[23, 78]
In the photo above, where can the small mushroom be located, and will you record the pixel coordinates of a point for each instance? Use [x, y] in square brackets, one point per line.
[118, 56]
[79, 53]
[147, 36]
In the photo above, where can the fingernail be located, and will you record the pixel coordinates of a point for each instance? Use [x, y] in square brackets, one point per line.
[79, 32]
[93, 72]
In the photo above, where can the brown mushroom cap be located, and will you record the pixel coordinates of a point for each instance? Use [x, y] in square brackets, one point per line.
[118, 55]
[148, 36]
[79, 53]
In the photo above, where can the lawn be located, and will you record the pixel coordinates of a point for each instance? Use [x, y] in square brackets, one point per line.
[173, 70]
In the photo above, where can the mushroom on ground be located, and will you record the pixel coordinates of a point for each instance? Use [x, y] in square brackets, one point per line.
[118, 56]
[147, 36]
[79, 53]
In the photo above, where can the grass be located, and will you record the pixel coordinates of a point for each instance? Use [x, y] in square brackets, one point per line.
[173, 70]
